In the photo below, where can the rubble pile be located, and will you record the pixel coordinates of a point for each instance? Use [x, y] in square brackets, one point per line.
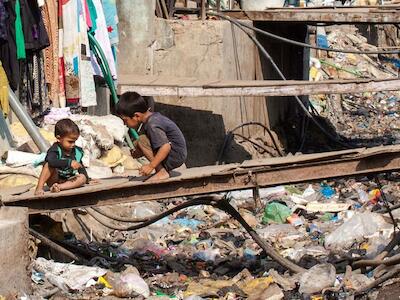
[367, 119]
[202, 253]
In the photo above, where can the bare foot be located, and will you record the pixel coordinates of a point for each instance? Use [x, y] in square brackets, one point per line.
[39, 192]
[160, 175]
[55, 188]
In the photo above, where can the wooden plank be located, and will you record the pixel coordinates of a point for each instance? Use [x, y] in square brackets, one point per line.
[337, 15]
[213, 179]
[189, 87]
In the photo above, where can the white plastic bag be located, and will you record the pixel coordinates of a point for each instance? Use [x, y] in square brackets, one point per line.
[356, 229]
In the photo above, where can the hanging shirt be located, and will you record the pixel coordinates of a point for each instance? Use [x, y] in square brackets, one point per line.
[8, 46]
[110, 12]
[101, 35]
[35, 33]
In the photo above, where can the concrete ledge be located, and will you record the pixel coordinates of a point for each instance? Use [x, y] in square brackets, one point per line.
[14, 258]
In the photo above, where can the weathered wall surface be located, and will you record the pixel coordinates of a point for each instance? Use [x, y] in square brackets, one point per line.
[204, 50]
[14, 260]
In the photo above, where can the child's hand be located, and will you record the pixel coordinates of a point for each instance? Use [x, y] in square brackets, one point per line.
[146, 170]
[94, 181]
[75, 165]
[39, 192]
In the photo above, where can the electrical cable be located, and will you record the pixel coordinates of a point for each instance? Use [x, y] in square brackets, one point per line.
[252, 142]
[273, 139]
[301, 104]
[230, 134]
[301, 44]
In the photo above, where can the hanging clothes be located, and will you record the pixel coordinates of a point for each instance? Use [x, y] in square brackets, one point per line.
[88, 89]
[111, 15]
[61, 65]
[50, 19]
[19, 33]
[8, 46]
[32, 84]
[71, 51]
[79, 81]
[101, 35]
[32, 87]
[35, 34]
[3, 20]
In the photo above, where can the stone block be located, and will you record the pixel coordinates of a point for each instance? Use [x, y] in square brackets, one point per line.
[14, 258]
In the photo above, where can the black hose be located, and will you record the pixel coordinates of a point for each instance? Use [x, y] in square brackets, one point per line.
[223, 204]
[301, 104]
[199, 201]
[301, 44]
[119, 218]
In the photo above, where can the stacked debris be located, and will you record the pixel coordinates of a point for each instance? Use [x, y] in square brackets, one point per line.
[330, 229]
[105, 153]
[367, 119]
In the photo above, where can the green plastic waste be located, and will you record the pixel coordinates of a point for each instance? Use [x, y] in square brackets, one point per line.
[276, 212]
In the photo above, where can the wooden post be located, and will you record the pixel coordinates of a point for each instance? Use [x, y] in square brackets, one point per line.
[203, 10]
[218, 5]
[257, 199]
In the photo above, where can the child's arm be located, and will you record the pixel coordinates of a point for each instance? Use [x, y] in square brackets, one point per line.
[55, 163]
[161, 155]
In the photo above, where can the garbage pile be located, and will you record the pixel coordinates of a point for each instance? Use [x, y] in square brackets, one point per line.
[366, 119]
[105, 154]
[200, 252]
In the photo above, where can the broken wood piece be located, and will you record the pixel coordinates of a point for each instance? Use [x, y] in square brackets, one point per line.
[191, 87]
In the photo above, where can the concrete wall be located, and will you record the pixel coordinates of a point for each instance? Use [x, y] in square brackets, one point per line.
[204, 50]
[14, 259]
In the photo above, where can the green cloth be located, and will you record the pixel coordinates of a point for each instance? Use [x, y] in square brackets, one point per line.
[93, 15]
[276, 213]
[19, 34]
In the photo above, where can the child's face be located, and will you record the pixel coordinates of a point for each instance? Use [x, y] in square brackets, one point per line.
[67, 142]
[133, 122]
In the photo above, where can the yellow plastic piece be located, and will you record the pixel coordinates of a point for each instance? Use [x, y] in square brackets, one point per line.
[4, 104]
[104, 281]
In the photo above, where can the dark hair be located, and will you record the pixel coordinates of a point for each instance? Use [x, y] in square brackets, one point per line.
[65, 127]
[131, 103]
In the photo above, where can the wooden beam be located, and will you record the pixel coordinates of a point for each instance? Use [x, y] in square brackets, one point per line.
[334, 15]
[189, 87]
[214, 179]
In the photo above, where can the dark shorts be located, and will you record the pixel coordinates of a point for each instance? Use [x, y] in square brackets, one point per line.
[174, 160]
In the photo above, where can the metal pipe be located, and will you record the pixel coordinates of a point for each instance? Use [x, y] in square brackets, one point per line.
[27, 122]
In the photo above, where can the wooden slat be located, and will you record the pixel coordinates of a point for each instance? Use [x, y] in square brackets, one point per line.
[338, 15]
[189, 87]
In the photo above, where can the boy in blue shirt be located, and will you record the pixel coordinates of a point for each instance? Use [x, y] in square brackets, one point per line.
[63, 169]
[163, 143]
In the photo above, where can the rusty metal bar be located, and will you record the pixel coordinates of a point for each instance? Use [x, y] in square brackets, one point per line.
[244, 178]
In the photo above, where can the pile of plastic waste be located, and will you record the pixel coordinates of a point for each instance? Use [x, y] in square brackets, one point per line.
[369, 118]
[202, 253]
